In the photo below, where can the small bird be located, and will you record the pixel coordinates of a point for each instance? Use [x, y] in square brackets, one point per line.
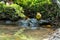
[38, 16]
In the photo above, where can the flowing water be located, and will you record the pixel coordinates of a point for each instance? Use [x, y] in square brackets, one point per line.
[37, 34]
[29, 23]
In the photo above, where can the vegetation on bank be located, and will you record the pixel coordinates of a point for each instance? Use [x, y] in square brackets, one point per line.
[11, 12]
[22, 8]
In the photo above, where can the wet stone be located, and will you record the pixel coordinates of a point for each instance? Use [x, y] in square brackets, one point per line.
[55, 35]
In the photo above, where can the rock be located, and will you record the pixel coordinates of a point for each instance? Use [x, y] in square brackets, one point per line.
[55, 35]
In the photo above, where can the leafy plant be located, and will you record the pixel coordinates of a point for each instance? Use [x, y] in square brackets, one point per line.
[11, 12]
[19, 10]
[50, 11]
[32, 6]
[1, 7]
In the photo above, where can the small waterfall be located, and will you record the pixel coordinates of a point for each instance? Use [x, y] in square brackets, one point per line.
[23, 23]
[33, 23]
[29, 23]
